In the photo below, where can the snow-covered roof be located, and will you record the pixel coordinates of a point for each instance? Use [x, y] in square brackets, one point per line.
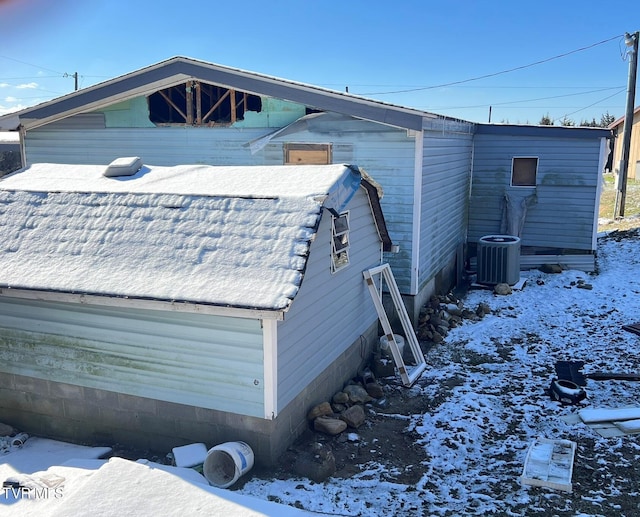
[228, 236]
[9, 137]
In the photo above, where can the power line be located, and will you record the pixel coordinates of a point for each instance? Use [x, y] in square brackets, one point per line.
[28, 78]
[515, 87]
[537, 99]
[497, 73]
[582, 108]
[64, 75]
[589, 106]
[30, 64]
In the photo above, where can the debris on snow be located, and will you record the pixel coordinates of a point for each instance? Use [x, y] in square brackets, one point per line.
[549, 463]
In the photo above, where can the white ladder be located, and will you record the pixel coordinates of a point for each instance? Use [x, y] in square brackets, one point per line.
[408, 374]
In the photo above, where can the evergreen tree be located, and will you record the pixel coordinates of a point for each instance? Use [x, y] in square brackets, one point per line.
[592, 123]
[606, 119]
[546, 121]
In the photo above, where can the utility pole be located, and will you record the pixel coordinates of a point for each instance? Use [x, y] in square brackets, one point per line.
[631, 40]
[75, 76]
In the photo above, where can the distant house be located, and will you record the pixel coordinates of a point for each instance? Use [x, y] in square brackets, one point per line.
[186, 303]
[634, 149]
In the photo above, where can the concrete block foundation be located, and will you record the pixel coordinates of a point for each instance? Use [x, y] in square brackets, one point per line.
[99, 417]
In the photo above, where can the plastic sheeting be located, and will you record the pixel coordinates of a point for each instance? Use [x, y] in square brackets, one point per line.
[515, 212]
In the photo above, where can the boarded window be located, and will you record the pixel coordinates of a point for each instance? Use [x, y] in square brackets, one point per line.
[307, 154]
[523, 172]
[339, 242]
[200, 104]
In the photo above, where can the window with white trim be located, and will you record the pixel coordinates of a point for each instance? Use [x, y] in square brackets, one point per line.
[339, 242]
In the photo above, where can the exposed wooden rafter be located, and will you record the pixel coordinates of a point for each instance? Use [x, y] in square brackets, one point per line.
[215, 106]
[198, 103]
[172, 104]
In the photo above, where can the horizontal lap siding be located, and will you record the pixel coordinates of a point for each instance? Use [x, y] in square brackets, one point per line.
[446, 170]
[562, 218]
[388, 156]
[156, 146]
[330, 311]
[391, 162]
[563, 215]
[199, 360]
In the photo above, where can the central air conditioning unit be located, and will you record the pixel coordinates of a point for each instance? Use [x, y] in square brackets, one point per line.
[498, 259]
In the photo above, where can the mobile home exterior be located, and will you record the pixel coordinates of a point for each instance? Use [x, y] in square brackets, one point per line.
[446, 182]
[543, 185]
[179, 305]
[422, 160]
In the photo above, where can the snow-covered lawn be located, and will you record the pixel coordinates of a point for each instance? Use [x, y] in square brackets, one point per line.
[486, 386]
[494, 374]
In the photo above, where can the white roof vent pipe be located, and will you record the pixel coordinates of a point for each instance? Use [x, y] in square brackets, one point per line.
[123, 167]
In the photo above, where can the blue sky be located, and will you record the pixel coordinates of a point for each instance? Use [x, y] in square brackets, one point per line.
[402, 52]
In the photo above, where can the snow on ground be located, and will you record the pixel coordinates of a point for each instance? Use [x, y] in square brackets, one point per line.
[493, 375]
[488, 381]
[57, 479]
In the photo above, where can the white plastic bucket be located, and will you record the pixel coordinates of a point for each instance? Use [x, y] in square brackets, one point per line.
[384, 344]
[19, 439]
[225, 463]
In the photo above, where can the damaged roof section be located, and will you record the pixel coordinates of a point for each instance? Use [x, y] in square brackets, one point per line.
[177, 71]
[228, 236]
[196, 103]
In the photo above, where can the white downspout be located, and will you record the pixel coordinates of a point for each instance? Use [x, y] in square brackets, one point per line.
[23, 146]
[270, 388]
[417, 212]
[604, 151]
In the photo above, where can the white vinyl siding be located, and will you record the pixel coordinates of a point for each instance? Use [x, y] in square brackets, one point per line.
[565, 193]
[346, 311]
[446, 176]
[205, 361]
[156, 146]
[387, 154]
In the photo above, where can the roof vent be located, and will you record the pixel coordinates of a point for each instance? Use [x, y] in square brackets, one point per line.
[123, 167]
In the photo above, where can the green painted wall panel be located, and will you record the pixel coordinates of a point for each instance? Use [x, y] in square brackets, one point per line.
[205, 361]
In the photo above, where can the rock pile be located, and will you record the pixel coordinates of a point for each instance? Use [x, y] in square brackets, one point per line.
[346, 410]
[442, 313]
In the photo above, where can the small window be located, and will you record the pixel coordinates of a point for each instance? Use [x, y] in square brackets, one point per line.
[307, 154]
[339, 242]
[523, 172]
